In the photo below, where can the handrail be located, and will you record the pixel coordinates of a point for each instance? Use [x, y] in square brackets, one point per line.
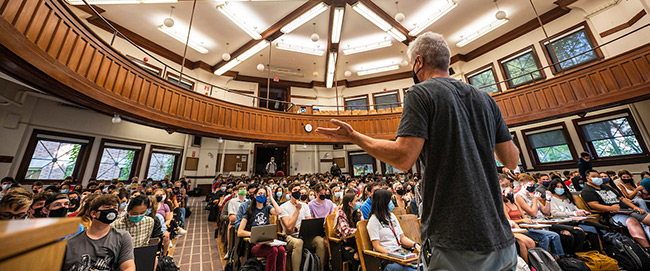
[289, 105]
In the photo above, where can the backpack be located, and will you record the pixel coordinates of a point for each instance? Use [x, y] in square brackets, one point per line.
[572, 264]
[629, 254]
[166, 263]
[230, 261]
[541, 260]
[597, 261]
[522, 265]
[252, 264]
[310, 262]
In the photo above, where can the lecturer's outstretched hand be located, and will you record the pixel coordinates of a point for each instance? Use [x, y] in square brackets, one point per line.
[344, 132]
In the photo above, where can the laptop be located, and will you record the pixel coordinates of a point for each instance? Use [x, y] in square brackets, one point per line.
[311, 228]
[263, 233]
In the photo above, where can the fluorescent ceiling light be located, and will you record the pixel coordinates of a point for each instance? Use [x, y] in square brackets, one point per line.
[368, 47]
[337, 24]
[331, 67]
[396, 34]
[378, 21]
[183, 38]
[446, 8]
[378, 70]
[305, 17]
[300, 49]
[117, 2]
[479, 33]
[242, 57]
[223, 8]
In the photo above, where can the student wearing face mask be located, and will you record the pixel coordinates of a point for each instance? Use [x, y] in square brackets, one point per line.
[37, 187]
[100, 247]
[603, 198]
[345, 224]
[400, 199]
[337, 195]
[84, 210]
[135, 222]
[75, 200]
[15, 204]
[36, 210]
[322, 205]
[630, 190]
[528, 199]
[279, 194]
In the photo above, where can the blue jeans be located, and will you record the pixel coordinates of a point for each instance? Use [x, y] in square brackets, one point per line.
[182, 211]
[641, 203]
[398, 267]
[546, 238]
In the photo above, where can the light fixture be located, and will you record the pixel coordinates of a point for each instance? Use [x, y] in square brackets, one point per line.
[404, 62]
[304, 145]
[368, 47]
[220, 140]
[347, 73]
[337, 24]
[299, 49]
[226, 56]
[183, 38]
[223, 8]
[239, 59]
[116, 119]
[480, 32]
[119, 2]
[330, 69]
[169, 21]
[315, 37]
[260, 67]
[305, 17]
[446, 8]
[500, 15]
[399, 16]
[378, 21]
[378, 70]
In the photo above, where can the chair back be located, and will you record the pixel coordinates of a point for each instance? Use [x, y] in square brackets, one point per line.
[363, 240]
[411, 227]
[330, 232]
[580, 203]
[398, 211]
[145, 256]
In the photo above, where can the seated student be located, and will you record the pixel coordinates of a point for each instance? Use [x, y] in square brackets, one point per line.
[292, 213]
[548, 240]
[100, 247]
[645, 182]
[158, 230]
[345, 224]
[321, 206]
[400, 199]
[84, 211]
[15, 204]
[630, 190]
[257, 213]
[603, 198]
[36, 210]
[384, 229]
[135, 222]
[366, 206]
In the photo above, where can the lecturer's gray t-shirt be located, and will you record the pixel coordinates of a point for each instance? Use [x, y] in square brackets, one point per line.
[463, 208]
[106, 253]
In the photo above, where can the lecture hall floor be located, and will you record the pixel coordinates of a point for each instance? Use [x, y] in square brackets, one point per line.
[198, 251]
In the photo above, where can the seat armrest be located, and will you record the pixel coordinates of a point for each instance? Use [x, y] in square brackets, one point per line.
[389, 258]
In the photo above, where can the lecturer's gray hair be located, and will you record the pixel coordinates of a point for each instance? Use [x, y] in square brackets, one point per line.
[433, 49]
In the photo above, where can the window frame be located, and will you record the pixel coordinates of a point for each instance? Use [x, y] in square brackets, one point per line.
[621, 159]
[565, 33]
[515, 55]
[137, 161]
[80, 164]
[481, 70]
[148, 67]
[183, 80]
[382, 93]
[178, 152]
[532, 153]
[357, 97]
[351, 166]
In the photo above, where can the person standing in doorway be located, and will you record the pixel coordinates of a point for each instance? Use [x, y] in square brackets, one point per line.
[271, 167]
[335, 170]
[456, 130]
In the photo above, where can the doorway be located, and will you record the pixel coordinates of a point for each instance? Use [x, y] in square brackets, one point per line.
[263, 154]
[275, 93]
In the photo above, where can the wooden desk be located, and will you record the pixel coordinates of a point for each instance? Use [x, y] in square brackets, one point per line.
[35, 244]
[389, 258]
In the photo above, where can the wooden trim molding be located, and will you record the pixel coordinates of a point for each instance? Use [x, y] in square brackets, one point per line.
[303, 97]
[624, 25]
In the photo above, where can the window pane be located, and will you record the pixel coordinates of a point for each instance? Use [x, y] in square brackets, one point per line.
[612, 137]
[386, 99]
[484, 81]
[554, 154]
[547, 139]
[391, 170]
[174, 80]
[115, 164]
[53, 160]
[359, 102]
[570, 45]
[161, 164]
[519, 66]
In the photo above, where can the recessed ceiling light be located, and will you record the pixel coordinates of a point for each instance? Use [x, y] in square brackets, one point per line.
[378, 21]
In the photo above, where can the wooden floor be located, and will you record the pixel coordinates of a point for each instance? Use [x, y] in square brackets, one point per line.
[198, 251]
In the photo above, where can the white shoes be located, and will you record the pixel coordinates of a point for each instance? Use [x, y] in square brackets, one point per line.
[180, 231]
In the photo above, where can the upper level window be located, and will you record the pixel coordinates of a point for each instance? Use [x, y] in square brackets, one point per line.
[484, 79]
[571, 48]
[611, 136]
[118, 160]
[356, 103]
[185, 83]
[386, 100]
[521, 68]
[163, 162]
[549, 145]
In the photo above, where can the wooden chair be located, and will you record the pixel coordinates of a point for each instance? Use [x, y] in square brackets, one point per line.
[370, 259]
[335, 244]
[398, 211]
[411, 227]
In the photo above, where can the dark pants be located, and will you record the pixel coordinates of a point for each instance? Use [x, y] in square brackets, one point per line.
[572, 242]
[347, 253]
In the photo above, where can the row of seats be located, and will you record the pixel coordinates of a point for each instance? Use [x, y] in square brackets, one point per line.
[358, 112]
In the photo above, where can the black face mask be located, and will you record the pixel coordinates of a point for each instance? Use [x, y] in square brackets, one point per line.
[295, 195]
[35, 192]
[303, 197]
[510, 197]
[159, 198]
[414, 73]
[38, 212]
[627, 180]
[61, 212]
[322, 197]
[107, 216]
[74, 203]
[401, 192]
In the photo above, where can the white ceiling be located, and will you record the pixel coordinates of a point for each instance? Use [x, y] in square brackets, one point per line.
[214, 30]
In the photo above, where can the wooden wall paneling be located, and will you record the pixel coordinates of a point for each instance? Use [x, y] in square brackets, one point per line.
[151, 95]
[173, 106]
[180, 108]
[643, 66]
[188, 107]
[57, 39]
[620, 77]
[165, 100]
[194, 115]
[103, 71]
[68, 43]
[201, 112]
[84, 59]
[11, 10]
[77, 52]
[93, 68]
[633, 73]
[25, 17]
[128, 85]
[111, 78]
[49, 26]
[135, 89]
[36, 24]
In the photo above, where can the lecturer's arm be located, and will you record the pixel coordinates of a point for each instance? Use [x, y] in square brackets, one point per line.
[507, 153]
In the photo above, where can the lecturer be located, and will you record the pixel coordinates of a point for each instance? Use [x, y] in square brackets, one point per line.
[456, 130]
